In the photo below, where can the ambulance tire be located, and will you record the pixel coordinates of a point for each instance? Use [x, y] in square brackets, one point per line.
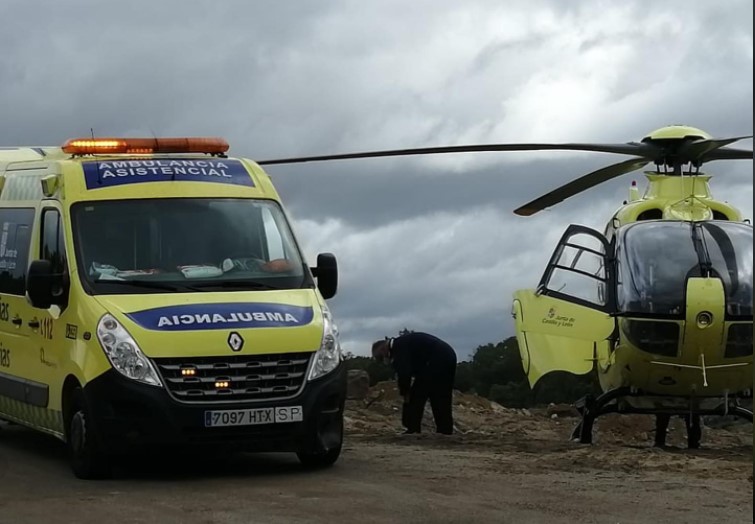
[323, 459]
[319, 460]
[87, 461]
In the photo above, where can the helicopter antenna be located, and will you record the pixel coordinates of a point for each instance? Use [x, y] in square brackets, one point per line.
[694, 181]
[705, 375]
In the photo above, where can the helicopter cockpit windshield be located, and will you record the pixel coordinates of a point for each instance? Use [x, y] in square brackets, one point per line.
[654, 260]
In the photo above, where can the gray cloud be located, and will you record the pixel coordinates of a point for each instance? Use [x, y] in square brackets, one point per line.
[427, 243]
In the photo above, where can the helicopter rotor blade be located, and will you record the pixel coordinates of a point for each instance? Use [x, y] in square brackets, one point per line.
[700, 149]
[671, 151]
[630, 148]
[728, 153]
[577, 186]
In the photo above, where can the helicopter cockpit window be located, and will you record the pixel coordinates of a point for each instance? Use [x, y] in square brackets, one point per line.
[579, 270]
[654, 261]
[729, 247]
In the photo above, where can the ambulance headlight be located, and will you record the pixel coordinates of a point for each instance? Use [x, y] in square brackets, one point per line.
[329, 355]
[123, 352]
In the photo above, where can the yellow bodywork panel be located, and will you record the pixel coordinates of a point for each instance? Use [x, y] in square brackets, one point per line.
[557, 335]
[706, 299]
[197, 325]
[699, 366]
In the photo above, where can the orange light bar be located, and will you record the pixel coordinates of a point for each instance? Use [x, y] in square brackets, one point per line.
[119, 146]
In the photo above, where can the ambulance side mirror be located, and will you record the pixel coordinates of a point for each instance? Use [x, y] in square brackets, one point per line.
[44, 287]
[327, 275]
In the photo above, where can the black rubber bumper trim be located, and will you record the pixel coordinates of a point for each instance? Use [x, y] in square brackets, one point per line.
[127, 414]
[23, 390]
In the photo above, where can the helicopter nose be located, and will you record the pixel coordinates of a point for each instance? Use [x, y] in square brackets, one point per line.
[704, 326]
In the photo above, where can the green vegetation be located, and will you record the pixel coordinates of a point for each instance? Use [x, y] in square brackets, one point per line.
[495, 372]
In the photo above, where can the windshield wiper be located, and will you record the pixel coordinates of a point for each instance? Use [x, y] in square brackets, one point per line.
[698, 240]
[246, 284]
[148, 284]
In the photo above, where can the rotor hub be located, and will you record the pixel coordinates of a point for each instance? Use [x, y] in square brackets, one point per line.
[677, 132]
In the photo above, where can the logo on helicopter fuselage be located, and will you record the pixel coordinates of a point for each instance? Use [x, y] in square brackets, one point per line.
[556, 320]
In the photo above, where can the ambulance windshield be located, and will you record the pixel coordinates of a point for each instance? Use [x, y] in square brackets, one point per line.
[185, 244]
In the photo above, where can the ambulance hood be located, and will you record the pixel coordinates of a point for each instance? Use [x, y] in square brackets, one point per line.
[204, 324]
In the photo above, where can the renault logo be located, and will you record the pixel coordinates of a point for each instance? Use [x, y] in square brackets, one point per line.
[235, 342]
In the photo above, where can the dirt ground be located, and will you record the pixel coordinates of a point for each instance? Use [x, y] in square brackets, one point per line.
[503, 466]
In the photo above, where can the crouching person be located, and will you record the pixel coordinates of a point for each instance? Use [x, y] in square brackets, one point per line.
[425, 368]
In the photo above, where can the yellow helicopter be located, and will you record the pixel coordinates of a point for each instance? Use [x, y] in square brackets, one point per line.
[659, 305]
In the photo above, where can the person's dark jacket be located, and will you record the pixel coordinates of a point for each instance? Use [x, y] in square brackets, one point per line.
[415, 354]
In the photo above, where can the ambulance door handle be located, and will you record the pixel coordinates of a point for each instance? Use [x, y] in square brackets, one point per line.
[17, 321]
[34, 323]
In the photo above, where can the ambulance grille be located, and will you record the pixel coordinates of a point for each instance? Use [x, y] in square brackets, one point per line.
[234, 378]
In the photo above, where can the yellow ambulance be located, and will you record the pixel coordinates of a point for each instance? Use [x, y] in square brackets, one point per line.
[153, 293]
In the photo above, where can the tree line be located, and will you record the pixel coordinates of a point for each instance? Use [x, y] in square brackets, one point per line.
[495, 371]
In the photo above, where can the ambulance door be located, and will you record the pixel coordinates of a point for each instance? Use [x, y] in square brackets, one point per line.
[20, 397]
[50, 336]
[561, 323]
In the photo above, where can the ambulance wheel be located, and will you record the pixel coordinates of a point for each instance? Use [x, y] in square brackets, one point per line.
[87, 461]
[319, 460]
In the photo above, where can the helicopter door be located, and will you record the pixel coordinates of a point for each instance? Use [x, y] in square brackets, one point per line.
[561, 324]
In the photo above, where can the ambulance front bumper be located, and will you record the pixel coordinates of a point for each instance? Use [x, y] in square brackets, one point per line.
[128, 415]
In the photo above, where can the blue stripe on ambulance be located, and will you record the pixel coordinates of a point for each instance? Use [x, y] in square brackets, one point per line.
[231, 315]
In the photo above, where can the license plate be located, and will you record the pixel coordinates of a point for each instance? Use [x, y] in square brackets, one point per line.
[252, 417]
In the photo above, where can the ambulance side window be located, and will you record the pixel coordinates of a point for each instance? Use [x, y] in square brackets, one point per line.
[52, 247]
[15, 240]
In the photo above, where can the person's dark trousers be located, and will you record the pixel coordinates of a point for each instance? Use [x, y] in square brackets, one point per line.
[692, 422]
[405, 418]
[415, 409]
[441, 399]
[661, 428]
[694, 431]
[435, 384]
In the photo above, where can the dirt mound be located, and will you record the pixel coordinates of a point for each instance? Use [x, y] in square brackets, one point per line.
[380, 413]
[477, 419]
[523, 441]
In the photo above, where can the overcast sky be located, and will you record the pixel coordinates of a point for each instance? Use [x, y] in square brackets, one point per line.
[426, 243]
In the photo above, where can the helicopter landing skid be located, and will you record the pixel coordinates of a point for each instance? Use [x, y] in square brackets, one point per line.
[741, 412]
[591, 408]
